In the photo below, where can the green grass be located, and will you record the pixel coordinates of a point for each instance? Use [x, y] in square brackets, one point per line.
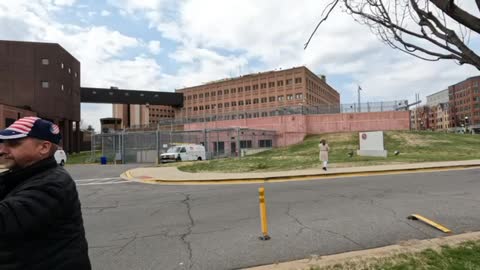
[83, 158]
[413, 147]
[464, 256]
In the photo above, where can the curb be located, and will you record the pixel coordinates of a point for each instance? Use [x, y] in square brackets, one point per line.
[302, 177]
[404, 247]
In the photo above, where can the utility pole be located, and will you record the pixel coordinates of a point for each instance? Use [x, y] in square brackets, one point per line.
[359, 106]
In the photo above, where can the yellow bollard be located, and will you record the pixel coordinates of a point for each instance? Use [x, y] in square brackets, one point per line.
[263, 214]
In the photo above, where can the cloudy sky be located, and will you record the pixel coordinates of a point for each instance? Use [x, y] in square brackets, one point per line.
[161, 45]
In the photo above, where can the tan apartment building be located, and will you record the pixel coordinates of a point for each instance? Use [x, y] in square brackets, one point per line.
[142, 115]
[257, 95]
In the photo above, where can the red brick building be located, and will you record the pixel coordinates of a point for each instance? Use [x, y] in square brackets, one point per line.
[257, 95]
[464, 99]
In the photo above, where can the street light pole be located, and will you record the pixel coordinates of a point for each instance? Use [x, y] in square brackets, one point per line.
[358, 93]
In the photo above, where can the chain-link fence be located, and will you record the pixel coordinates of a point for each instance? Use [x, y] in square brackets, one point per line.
[146, 146]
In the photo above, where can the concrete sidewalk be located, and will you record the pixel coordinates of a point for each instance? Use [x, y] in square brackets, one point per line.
[171, 175]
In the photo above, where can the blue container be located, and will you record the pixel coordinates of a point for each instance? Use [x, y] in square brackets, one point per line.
[103, 160]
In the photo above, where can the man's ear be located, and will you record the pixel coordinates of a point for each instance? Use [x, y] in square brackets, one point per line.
[45, 148]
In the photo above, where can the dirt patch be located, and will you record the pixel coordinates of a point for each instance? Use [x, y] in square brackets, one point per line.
[365, 257]
[411, 139]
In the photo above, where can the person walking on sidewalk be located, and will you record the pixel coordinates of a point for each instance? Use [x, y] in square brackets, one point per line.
[41, 225]
[324, 153]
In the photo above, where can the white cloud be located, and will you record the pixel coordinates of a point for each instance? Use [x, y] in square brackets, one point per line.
[98, 48]
[275, 32]
[154, 47]
[92, 13]
[64, 2]
[105, 13]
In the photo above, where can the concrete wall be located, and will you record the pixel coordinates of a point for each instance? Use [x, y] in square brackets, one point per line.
[292, 129]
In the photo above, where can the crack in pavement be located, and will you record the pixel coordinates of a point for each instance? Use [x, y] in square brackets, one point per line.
[187, 201]
[126, 244]
[303, 226]
[100, 208]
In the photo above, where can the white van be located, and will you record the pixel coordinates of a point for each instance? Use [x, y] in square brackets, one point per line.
[60, 157]
[184, 152]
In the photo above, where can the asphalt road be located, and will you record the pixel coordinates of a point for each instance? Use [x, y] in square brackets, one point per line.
[143, 226]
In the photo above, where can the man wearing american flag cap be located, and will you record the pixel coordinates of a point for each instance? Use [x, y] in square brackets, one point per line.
[41, 225]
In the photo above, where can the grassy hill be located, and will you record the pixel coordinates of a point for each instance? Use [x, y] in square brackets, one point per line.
[413, 147]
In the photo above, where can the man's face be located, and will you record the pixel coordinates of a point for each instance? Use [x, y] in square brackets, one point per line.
[20, 153]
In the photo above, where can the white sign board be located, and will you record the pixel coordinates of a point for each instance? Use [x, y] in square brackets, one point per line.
[371, 144]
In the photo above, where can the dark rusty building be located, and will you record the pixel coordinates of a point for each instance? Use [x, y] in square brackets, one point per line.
[41, 79]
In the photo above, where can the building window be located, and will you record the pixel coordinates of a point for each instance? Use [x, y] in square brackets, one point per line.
[240, 103]
[264, 114]
[225, 92]
[219, 92]
[263, 85]
[195, 108]
[69, 70]
[279, 83]
[288, 82]
[289, 97]
[247, 88]
[234, 103]
[264, 143]
[226, 105]
[45, 61]
[246, 144]
[256, 115]
[62, 65]
[45, 84]
[76, 74]
[62, 87]
[248, 102]
[240, 89]
[280, 98]
[194, 96]
[220, 105]
[271, 99]
[233, 90]
[189, 97]
[298, 96]
[255, 101]
[207, 95]
[255, 87]
[213, 94]
[200, 96]
[264, 100]
[298, 80]
[271, 84]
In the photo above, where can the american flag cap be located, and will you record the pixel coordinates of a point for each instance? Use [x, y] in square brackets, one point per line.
[32, 126]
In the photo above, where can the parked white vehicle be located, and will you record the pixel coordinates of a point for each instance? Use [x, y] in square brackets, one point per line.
[184, 152]
[60, 157]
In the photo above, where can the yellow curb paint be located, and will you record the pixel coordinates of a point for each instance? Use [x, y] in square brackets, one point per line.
[430, 222]
[128, 174]
[293, 178]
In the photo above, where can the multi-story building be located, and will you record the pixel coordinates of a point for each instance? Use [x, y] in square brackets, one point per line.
[464, 103]
[437, 98]
[41, 79]
[257, 95]
[442, 121]
[422, 118]
[142, 115]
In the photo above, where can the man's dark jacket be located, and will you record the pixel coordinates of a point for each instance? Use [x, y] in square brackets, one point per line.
[41, 224]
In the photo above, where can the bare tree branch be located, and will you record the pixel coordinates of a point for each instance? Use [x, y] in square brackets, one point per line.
[388, 20]
[458, 14]
[333, 4]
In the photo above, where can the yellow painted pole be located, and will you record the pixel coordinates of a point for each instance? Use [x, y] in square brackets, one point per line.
[263, 214]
